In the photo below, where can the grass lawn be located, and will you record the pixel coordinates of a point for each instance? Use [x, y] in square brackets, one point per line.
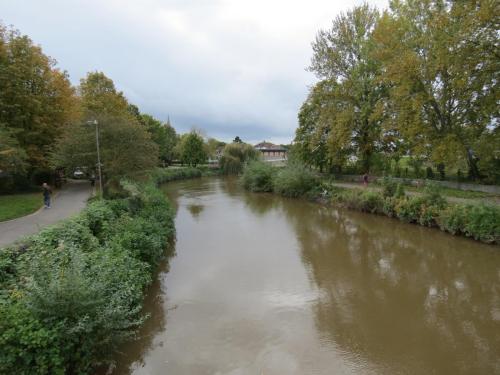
[16, 205]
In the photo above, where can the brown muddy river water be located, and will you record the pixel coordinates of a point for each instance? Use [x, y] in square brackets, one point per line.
[265, 285]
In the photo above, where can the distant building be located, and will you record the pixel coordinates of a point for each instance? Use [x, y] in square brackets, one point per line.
[271, 151]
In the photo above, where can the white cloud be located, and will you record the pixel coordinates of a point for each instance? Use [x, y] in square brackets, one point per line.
[233, 67]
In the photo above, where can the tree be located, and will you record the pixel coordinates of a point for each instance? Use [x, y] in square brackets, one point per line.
[192, 149]
[126, 148]
[237, 139]
[213, 147]
[36, 99]
[345, 105]
[12, 156]
[163, 135]
[100, 97]
[235, 155]
[441, 61]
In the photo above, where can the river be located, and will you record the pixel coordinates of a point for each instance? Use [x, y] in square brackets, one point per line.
[265, 285]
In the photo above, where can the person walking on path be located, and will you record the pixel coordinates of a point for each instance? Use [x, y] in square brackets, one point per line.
[47, 192]
[365, 179]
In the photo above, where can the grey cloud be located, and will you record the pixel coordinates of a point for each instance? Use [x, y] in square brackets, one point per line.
[230, 67]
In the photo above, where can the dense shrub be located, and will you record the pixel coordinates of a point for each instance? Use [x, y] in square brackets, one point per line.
[453, 219]
[481, 222]
[433, 196]
[400, 191]
[74, 292]
[258, 176]
[389, 206]
[294, 180]
[389, 187]
[361, 200]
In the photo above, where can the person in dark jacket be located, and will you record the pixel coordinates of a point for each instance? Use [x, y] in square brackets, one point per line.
[47, 192]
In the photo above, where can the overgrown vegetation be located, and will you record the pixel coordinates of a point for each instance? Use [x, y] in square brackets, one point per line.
[478, 221]
[72, 293]
[294, 180]
[258, 176]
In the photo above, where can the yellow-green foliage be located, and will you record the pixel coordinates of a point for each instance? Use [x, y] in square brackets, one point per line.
[235, 155]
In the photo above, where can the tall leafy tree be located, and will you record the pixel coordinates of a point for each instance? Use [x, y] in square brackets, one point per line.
[192, 149]
[125, 144]
[37, 100]
[441, 59]
[12, 156]
[311, 136]
[163, 134]
[235, 155]
[126, 148]
[350, 91]
[99, 97]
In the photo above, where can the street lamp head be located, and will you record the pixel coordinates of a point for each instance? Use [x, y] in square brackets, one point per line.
[92, 122]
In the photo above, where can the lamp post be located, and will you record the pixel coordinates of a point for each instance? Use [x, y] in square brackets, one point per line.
[96, 123]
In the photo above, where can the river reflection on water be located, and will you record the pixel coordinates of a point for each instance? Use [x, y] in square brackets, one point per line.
[266, 285]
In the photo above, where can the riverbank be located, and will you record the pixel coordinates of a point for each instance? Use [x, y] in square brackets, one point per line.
[261, 284]
[479, 221]
[74, 292]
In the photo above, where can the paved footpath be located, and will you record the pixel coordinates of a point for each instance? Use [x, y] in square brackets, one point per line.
[70, 200]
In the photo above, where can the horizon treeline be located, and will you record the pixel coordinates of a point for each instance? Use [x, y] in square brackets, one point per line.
[414, 87]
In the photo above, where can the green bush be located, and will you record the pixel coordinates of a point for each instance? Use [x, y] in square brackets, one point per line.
[75, 292]
[258, 176]
[389, 206]
[483, 223]
[454, 218]
[400, 191]
[408, 210]
[433, 196]
[388, 187]
[366, 201]
[294, 180]
[479, 221]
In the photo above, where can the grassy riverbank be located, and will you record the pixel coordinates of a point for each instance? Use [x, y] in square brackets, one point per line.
[70, 295]
[16, 205]
[479, 221]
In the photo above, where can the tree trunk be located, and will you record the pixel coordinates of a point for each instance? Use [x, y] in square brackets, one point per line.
[472, 164]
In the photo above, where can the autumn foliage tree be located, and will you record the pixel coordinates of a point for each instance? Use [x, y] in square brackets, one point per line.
[418, 81]
[37, 101]
[127, 149]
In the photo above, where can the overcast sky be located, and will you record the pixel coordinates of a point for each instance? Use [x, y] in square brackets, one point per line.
[229, 67]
